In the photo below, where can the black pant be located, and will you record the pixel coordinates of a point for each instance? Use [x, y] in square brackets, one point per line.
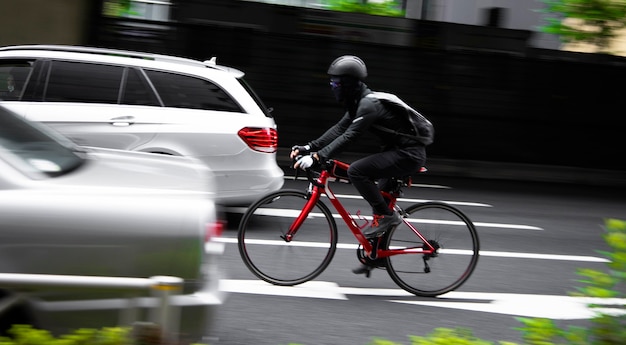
[364, 172]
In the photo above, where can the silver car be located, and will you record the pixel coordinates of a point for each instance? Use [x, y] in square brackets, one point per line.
[149, 103]
[100, 213]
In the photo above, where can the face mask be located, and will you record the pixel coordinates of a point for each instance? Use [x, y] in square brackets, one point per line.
[335, 86]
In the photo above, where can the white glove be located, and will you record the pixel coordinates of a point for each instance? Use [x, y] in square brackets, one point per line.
[304, 163]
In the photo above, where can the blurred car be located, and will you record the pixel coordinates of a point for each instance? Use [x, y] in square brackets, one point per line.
[68, 210]
[149, 103]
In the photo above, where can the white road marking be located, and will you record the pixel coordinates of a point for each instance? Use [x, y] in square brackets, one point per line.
[278, 212]
[527, 305]
[312, 289]
[507, 226]
[417, 201]
[352, 246]
[581, 258]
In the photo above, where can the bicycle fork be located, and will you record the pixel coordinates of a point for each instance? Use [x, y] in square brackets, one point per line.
[314, 193]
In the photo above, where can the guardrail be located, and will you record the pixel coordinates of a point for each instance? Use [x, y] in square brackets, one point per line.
[161, 287]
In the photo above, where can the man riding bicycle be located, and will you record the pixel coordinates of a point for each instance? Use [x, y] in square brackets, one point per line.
[400, 155]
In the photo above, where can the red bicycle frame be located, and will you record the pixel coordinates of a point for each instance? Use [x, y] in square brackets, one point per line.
[320, 185]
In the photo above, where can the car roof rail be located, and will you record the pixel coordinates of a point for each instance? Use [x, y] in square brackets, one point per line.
[123, 53]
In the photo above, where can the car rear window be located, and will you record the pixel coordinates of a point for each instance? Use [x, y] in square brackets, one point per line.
[182, 91]
[267, 111]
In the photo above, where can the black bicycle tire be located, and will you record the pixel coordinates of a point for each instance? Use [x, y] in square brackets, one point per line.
[466, 273]
[243, 226]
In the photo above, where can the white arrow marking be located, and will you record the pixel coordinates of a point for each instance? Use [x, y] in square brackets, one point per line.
[312, 289]
[547, 306]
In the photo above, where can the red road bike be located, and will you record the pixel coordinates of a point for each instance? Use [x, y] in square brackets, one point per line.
[289, 237]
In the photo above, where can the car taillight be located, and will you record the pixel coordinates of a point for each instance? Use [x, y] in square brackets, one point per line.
[214, 229]
[260, 139]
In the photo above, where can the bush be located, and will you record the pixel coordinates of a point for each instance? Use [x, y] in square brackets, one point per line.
[609, 325]
[26, 335]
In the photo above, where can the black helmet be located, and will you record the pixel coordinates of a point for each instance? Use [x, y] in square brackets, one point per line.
[348, 65]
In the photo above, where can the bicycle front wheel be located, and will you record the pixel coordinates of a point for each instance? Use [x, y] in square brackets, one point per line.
[269, 256]
[447, 229]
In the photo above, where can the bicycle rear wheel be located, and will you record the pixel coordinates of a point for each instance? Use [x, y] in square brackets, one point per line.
[264, 250]
[431, 275]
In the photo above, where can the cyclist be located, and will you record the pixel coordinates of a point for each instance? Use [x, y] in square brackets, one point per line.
[400, 155]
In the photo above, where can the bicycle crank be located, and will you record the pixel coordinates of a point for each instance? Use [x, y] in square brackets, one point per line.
[367, 260]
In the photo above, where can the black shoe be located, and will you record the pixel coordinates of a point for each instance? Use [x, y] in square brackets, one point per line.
[380, 224]
[363, 269]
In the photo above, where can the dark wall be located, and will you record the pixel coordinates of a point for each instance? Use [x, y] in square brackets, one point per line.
[490, 97]
[45, 21]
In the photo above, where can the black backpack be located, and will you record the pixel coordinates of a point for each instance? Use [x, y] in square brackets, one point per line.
[422, 129]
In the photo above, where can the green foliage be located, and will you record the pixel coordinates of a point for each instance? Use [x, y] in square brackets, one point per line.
[444, 336]
[539, 331]
[449, 336]
[587, 21]
[389, 8]
[607, 329]
[612, 282]
[27, 335]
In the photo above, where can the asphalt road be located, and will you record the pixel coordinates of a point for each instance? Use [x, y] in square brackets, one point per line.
[534, 235]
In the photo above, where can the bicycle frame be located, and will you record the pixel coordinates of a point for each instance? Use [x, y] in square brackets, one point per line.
[321, 185]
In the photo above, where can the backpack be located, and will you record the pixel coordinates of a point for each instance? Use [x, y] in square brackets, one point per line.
[422, 130]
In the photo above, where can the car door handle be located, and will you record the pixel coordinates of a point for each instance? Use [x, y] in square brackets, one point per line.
[122, 121]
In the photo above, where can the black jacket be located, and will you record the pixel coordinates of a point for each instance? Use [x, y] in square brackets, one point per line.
[357, 120]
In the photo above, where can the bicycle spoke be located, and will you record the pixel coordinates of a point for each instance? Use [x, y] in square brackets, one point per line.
[430, 275]
[261, 239]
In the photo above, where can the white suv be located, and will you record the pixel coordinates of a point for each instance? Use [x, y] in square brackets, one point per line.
[149, 103]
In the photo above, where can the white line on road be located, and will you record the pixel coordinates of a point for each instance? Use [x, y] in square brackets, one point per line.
[351, 246]
[279, 212]
[417, 201]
